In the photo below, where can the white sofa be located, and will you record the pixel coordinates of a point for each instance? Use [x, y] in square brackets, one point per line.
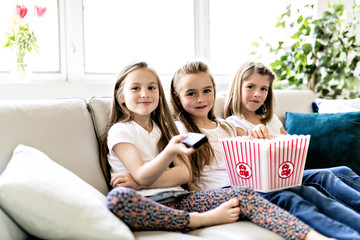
[66, 131]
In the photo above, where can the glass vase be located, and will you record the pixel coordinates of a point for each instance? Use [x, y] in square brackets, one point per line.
[21, 69]
[22, 73]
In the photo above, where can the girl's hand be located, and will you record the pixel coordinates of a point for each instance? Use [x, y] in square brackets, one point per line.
[177, 147]
[193, 187]
[260, 131]
[124, 180]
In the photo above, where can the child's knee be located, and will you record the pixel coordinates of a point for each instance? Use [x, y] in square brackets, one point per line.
[244, 192]
[118, 197]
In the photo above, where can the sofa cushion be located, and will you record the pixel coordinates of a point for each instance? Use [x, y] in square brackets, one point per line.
[297, 101]
[9, 229]
[100, 108]
[61, 128]
[338, 105]
[50, 202]
[335, 138]
[238, 230]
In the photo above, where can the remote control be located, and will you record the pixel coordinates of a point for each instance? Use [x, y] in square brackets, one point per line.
[194, 140]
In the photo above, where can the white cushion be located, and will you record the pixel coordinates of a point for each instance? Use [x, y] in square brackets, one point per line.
[9, 229]
[339, 105]
[51, 202]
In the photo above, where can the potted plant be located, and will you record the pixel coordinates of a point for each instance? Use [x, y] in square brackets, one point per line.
[322, 52]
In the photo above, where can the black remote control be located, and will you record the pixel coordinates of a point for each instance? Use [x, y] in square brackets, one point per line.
[194, 140]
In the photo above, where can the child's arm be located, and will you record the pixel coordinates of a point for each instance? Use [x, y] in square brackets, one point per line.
[146, 174]
[283, 131]
[177, 175]
[240, 132]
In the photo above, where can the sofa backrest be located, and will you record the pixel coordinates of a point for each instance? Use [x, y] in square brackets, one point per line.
[100, 110]
[297, 101]
[285, 101]
[63, 129]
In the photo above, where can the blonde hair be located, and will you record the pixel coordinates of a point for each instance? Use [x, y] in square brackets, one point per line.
[233, 99]
[120, 113]
[204, 155]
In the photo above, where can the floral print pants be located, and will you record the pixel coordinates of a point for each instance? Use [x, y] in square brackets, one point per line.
[141, 213]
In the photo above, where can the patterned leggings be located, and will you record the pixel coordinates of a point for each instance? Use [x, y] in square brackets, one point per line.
[141, 213]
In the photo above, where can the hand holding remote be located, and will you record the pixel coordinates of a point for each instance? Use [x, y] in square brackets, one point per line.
[194, 140]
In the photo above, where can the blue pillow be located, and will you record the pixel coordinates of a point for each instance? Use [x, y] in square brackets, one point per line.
[335, 138]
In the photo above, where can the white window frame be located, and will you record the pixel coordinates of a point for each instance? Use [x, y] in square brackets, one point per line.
[71, 36]
[75, 40]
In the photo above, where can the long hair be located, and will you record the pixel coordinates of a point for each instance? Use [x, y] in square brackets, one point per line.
[233, 99]
[120, 113]
[204, 155]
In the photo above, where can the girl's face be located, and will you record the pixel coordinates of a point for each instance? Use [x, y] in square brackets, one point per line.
[140, 92]
[196, 94]
[254, 91]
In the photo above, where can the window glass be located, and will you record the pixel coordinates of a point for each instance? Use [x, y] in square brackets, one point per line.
[46, 28]
[116, 32]
[235, 24]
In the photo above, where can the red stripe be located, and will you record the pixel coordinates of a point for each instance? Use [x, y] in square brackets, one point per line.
[230, 169]
[270, 164]
[256, 179]
[259, 162]
[242, 160]
[234, 158]
[298, 163]
[251, 164]
[234, 162]
[297, 152]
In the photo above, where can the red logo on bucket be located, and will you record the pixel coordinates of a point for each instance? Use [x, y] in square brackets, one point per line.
[243, 170]
[286, 169]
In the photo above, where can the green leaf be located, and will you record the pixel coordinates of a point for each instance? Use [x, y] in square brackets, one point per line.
[300, 18]
[255, 44]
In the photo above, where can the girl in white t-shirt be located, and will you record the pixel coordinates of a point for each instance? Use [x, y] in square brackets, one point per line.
[249, 105]
[141, 140]
[192, 99]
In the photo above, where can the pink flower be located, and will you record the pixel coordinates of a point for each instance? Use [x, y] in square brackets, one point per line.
[40, 11]
[21, 11]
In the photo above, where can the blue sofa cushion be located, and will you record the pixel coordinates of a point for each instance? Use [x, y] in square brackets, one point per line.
[335, 138]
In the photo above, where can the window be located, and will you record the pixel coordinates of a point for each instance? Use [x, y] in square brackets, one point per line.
[160, 32]
[86, 40]
[48, 59]
[231, 34]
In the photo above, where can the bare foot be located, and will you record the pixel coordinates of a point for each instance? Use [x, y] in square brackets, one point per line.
[314, 235]
[227, 212]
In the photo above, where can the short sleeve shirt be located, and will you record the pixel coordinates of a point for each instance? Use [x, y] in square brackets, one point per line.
[131, 132]
[214, 176]
[239, 121]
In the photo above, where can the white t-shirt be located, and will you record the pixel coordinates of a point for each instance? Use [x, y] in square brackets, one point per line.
[214, 176]
[239, 121]
[131, 132]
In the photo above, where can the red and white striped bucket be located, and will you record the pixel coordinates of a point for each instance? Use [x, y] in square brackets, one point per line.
[266, 165]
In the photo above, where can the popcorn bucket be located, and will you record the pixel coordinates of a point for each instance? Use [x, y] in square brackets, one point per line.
[265, 165]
